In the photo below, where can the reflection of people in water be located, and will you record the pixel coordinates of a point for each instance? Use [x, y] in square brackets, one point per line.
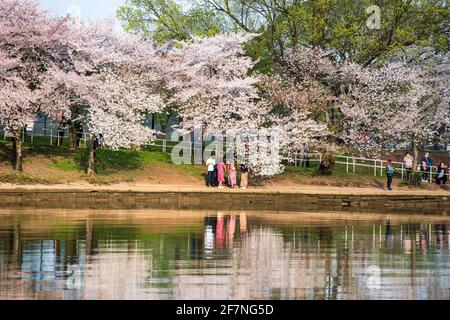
[209, 240]
[231, 227]
[222, 229]
[424, 238]
[219, 230]
[243, 223]
[389, 243]
[440, 231]
[407, 244]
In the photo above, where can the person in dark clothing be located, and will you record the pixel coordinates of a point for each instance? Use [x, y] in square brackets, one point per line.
[441, 174]
[244, 165]
[427, 163]
[61, 130]
[98, 141]
[215, 179]
[390, 175]
[79, 129]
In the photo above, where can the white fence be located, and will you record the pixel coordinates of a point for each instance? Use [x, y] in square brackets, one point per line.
[351, 164]
[378, 166]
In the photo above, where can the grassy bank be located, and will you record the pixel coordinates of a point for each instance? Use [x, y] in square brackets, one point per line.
[57, 165]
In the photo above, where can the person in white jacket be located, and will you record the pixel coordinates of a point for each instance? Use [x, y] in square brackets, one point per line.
[409, 161]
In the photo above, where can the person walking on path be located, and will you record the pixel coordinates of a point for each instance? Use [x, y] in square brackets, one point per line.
[244, 176]
[231, 170]
[210, 163]
[427, 163]
[221, 173]
[408, 160]
[390, 174]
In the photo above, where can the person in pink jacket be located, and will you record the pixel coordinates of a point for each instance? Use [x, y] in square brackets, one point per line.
[221, 173]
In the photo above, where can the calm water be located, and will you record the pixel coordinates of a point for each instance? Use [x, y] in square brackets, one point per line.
[227, 255]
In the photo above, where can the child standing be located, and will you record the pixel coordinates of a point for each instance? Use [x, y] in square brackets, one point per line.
[390, 174]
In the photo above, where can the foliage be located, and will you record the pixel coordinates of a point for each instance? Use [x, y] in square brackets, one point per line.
[166, 20]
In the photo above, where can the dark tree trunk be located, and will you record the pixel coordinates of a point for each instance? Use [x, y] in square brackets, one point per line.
[17, 151]
[93, 146]
[75, 127]
[326, 165]
[73, 136]
[415, 151]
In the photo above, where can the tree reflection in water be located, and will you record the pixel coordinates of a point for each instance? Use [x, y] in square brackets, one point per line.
[190, 255]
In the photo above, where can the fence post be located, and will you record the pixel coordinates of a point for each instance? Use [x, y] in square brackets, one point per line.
[431, 174]
[381, 168]
[347, 163]
[23, 135]
[402, 171]
[32, 136]
[295, 159]
[164, 146]
[374, 168]
[51, 137]
[353, 165]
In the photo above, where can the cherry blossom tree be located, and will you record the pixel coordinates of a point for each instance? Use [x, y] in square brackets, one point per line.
[27, 38]
[214, 89]
[304, 95]
[51, 64]
[294, 107]
[114, 80]
[212, 81]
[401, 104]
[212, 85]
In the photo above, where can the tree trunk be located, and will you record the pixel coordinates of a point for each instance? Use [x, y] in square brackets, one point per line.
[415, 151]
[17, 151]
[153, 121]
[73, 136]
[326, 165]
[92, 154]
[74, 127]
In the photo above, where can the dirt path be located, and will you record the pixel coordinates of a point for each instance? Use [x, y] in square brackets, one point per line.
[139, 187]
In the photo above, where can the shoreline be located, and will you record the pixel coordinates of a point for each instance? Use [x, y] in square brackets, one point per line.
[309, 198]
[161, 188]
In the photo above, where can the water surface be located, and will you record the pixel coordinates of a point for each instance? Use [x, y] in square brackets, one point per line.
[64, 254]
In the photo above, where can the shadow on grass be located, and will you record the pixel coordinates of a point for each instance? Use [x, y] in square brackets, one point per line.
[109, 161]
[49, 150]
[5, 152]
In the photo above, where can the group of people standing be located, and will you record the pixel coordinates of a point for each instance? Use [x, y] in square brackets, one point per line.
[424, 167]
[221, 174]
